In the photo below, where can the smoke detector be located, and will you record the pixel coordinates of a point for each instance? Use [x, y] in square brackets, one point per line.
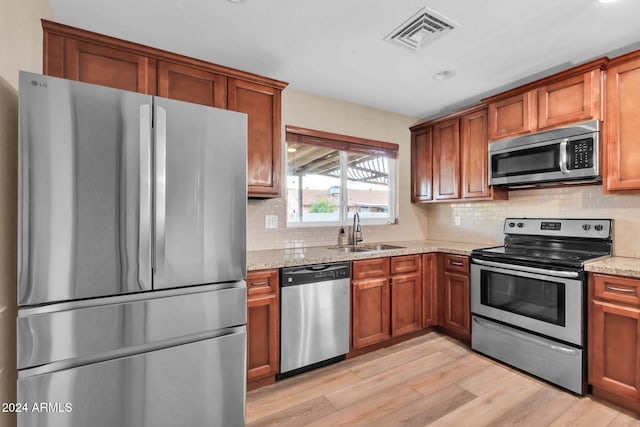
[422, 28]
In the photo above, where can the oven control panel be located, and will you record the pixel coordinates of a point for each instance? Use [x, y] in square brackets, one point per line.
[580, 227]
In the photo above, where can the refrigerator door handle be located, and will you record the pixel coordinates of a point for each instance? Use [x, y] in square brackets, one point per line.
[144, 248]
[160, 185]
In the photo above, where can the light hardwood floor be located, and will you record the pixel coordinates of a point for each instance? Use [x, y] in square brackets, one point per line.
[431, 380]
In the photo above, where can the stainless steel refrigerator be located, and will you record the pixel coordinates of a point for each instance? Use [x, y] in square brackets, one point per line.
[132, 240]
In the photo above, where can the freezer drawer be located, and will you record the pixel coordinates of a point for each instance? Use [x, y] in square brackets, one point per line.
[196, 384]
[61, 335]
[550, 360]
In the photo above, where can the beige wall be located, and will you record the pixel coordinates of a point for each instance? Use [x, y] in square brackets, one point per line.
[483, 222]
[331, 115]
[21, 49]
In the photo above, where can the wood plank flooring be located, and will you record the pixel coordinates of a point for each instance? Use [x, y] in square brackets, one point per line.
[430, 380]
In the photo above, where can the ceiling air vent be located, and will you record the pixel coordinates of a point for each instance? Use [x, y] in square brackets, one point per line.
[422, 28]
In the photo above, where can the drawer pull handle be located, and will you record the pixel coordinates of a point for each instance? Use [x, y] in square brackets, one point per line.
[255, 284]
[456, 263]
[615, 289]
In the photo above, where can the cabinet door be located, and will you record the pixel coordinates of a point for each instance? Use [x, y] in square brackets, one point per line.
[262, 105]
[421, 165]
[370, 321]
[192, 84]
[623, 127]
[455, 310]
[406, 303]
[475, 146]
[102, 65]
[614, 362]
[262, 336]
[570, 100]
[429, 290]
[446, 160]
[513, 116]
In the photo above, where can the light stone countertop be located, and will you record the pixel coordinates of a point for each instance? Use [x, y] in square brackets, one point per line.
[617, 266]
[261, 260]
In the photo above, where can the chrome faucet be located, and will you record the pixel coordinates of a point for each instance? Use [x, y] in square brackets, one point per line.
[356, 232]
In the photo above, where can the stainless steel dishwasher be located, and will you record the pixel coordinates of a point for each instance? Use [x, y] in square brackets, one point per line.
[314, 316]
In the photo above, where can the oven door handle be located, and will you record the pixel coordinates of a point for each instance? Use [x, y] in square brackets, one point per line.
[555, 273]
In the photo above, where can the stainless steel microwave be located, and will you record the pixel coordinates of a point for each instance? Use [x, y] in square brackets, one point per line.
[560, 155]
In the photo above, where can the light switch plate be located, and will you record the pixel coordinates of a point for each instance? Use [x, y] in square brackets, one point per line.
[271, 221]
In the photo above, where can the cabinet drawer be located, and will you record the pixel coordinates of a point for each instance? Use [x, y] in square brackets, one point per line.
[456, 263]
[364, 269]
[620, 289]
[405, 264]
[262, 282]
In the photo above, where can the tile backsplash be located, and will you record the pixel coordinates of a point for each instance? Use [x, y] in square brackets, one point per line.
[482, 222]
[261, 238]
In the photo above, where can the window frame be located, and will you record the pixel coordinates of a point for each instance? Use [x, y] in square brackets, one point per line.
[345, 144]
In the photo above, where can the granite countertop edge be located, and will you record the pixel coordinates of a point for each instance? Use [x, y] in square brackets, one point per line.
[616, 265]
[292, 257]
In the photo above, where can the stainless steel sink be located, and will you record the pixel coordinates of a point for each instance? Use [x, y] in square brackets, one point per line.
[382, 247]
[366, 248]
[351, 249]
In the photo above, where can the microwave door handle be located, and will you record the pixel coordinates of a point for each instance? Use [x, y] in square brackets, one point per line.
[563, 156]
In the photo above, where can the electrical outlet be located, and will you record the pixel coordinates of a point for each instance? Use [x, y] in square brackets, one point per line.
[271, 221]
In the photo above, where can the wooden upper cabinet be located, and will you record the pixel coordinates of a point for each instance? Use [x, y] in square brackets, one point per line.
[449, 159]
[622, 134]
[262, 105]
[446, 160]
[475, 147]
[191, 84]
[93, 63]
[574, 99]
[421, 165]
[77, 54]
[572, 96]
[512, 116]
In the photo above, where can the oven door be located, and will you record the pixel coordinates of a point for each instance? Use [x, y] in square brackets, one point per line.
[543, 301]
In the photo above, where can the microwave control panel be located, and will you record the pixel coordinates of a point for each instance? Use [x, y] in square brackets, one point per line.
[580, 153]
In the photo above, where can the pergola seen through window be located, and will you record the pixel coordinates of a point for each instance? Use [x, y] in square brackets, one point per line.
[330, 176]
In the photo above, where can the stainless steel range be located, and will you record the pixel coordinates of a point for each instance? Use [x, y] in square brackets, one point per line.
[528, 297]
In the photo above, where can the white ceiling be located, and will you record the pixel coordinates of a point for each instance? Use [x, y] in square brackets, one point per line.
[335, 48]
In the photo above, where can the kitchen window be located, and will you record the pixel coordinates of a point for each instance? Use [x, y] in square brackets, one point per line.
[330, 177]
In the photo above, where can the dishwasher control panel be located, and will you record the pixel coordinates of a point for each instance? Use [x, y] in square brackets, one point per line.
[292, 276]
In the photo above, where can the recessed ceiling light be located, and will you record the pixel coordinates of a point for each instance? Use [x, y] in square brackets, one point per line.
[444, 75]
[236, 1]
[606, 1]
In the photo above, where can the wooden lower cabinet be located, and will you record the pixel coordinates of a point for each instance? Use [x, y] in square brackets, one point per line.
[614, 339]
[370, 311]
[406, 294]
[263, 325]
[454, 313]
[429, 290]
